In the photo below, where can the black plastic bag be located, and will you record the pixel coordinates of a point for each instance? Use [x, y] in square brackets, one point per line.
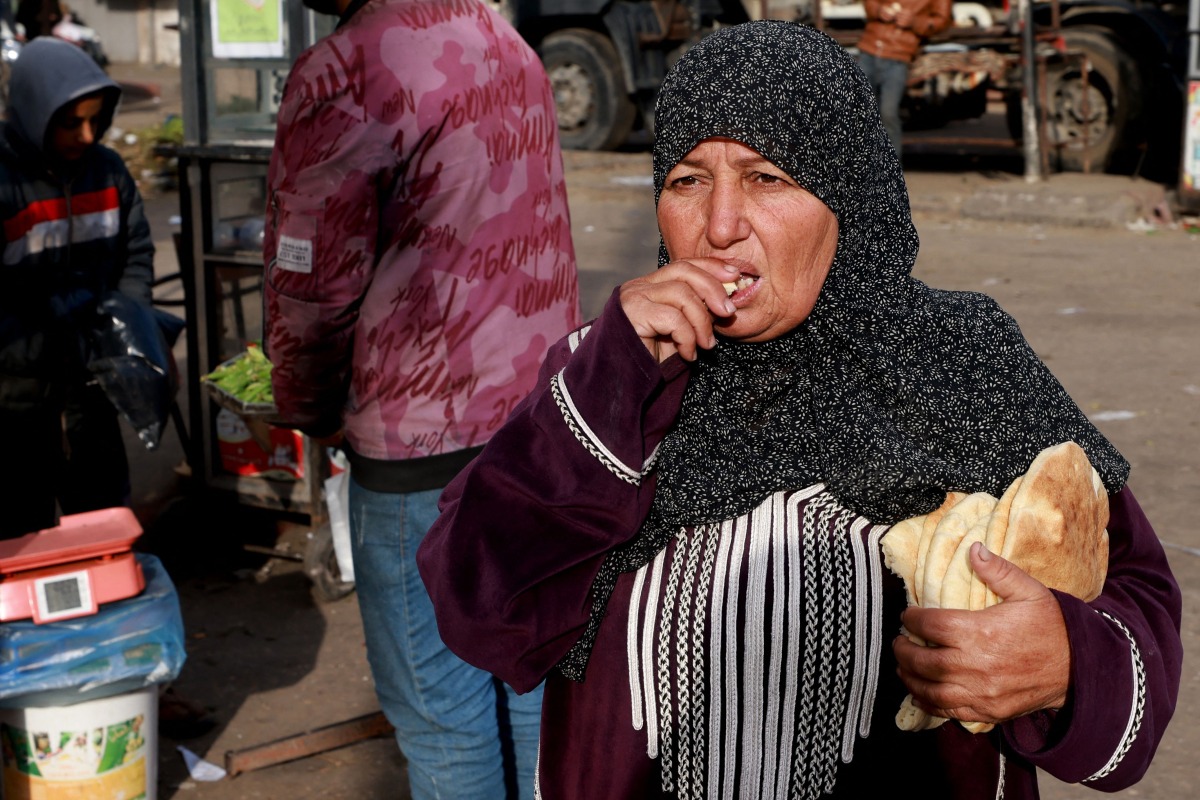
[133, 363]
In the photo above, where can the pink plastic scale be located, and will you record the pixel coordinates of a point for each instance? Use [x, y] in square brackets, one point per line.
[70, 570]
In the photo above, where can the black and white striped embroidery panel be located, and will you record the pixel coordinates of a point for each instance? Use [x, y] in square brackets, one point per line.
[753, 649]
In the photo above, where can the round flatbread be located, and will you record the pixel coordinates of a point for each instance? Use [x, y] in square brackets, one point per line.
[1056, 527]
[958, 587]
[981, 595]
[899, 547]
[1050, 522]
[927, 528]
[957, 582]
[911, 718]
[976, 727]
[946, 537]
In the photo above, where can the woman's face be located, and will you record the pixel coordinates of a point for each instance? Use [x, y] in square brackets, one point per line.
[725, 201]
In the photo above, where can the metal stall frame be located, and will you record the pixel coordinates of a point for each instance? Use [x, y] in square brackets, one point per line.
[229, 104]
[1189, 168]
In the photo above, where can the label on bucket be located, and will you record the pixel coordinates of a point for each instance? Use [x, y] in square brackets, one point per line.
[48, 763]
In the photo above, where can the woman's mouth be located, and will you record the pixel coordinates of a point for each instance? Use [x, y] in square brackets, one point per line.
[742, 283]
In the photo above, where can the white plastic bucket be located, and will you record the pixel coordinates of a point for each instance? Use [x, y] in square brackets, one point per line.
[104, 749]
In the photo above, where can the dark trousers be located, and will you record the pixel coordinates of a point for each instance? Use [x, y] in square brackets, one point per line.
[71, 458]
[889, 79]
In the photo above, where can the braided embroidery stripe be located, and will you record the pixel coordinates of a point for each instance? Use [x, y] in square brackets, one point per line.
[841, 677]
[700, 701]
[1138, 705]
[668, 698]
[803, 745]
[590, 441]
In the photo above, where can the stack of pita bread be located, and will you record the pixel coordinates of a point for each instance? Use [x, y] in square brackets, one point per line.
[1050, 522]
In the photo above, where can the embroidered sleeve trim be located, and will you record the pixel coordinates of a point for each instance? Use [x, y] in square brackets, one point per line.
[1137, 706]
[590, 441]
[575, 337]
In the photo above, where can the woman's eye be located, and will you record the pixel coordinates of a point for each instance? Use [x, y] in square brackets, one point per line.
[686, 180]
[764, 177]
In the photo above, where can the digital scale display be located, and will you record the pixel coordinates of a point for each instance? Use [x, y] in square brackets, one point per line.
[63, 596]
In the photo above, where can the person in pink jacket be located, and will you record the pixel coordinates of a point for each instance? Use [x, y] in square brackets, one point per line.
[419, 264]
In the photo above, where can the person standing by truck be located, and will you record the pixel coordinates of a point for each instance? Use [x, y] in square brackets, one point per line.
[891, 40]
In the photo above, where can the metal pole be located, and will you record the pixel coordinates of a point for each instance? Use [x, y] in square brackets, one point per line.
[1029, 116]
[1189, 167]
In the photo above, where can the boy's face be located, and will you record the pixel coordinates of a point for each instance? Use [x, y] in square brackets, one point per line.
[73, 129]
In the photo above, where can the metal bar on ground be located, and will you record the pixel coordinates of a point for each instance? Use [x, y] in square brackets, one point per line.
[302, 745]
[272, 552]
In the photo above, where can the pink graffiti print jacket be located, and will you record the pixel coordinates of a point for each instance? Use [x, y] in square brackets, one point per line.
[418, 249]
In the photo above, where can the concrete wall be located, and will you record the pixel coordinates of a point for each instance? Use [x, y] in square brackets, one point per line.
[133, 31]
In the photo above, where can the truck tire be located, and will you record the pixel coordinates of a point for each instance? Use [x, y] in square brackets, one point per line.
[594, 110]
[1090, 128]
[502, 7]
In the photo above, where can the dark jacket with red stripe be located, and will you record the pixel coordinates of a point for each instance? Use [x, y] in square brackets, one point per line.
[69, 231]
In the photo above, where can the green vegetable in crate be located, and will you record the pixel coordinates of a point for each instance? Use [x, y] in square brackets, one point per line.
[248, 378]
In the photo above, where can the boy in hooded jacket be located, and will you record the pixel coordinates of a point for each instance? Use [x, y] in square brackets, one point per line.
[72, 227]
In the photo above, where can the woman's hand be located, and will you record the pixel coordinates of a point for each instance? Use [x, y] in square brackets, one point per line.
[993, 665]
[672, 308]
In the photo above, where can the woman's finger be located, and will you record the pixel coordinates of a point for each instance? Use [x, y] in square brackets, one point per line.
[706, 276]
[657, 314]
[672, 309]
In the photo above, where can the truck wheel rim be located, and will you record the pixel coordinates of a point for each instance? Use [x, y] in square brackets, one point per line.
[1070, 124]
[573, 95]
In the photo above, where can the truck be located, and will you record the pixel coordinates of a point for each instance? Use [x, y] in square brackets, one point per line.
[1110, 73]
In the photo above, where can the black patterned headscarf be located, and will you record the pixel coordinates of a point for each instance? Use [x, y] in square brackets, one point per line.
[891, 393]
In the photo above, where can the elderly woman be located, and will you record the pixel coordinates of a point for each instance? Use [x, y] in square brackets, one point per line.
[679, 530]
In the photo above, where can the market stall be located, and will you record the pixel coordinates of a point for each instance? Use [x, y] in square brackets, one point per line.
[235, 60]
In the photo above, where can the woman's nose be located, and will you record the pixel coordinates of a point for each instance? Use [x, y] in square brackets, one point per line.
[727, 222]
[87, 134]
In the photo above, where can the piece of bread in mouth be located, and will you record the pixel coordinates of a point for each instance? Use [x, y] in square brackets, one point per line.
[730, 288]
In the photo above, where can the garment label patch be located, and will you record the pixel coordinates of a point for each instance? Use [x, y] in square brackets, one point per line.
[294, 255]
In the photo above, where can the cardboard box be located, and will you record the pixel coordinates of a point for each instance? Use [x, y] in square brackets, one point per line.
[250, 446]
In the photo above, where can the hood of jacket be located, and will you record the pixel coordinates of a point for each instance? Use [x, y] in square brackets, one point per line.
[49, 74]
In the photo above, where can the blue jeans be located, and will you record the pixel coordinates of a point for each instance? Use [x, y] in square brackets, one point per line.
[465, 735]
[889, 79]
